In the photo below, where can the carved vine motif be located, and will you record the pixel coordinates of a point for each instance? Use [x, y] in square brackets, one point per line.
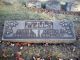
[67, 26]
[9, 27]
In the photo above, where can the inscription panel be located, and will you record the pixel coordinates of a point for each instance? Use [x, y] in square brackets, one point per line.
[32, 29]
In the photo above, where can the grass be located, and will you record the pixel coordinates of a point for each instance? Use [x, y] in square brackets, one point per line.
[19, 13]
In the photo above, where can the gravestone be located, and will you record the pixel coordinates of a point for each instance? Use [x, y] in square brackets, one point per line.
[39, 31]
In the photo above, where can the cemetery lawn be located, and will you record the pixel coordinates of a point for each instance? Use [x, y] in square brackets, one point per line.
[15, 12]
